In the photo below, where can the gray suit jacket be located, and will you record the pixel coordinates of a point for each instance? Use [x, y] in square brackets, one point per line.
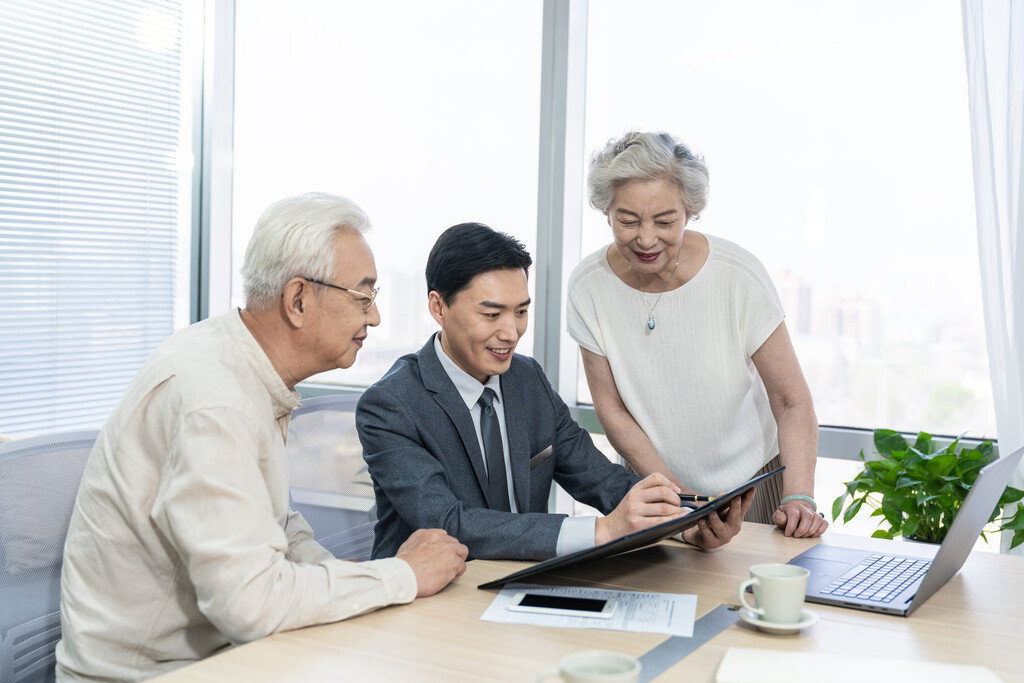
[421, 447]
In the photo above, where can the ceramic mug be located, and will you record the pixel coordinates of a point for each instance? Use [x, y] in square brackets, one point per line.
[595, 666]
[779, 590]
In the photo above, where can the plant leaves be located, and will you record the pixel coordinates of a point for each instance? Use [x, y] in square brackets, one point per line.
[910, 526]
[941, 464]
[893, 514]
[862, 482]
[907, 505]
[1017, 521]
[920, 487]
[923, 443]
[880, 466]
[837, 504]
[951, 488]
[908, 481]
[853, 509]
[979, 454]
[889, 441]
[1010, 495]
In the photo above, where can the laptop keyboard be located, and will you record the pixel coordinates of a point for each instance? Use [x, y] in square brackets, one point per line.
[879, 578]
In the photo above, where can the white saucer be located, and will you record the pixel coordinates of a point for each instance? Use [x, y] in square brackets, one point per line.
[807, 619]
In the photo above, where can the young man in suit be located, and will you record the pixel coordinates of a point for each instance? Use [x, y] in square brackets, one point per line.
[467, 436]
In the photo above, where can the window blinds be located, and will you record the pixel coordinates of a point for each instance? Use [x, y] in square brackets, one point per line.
[90, 120]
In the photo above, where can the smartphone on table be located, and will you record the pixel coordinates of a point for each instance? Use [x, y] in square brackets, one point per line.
[560, 605]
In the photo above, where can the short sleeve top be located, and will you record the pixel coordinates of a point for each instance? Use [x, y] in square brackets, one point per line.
[690, 382]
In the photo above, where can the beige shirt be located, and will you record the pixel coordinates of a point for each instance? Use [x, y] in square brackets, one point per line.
[181, 542]
[690, 383]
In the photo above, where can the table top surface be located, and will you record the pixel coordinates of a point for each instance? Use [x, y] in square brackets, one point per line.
[976, 618]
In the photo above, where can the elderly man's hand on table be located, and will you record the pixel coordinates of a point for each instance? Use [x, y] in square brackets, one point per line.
[436, 558]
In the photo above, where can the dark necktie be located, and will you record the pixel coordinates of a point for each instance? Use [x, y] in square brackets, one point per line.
[490, 430]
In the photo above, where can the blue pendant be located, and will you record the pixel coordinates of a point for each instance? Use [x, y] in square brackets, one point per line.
[650, 322]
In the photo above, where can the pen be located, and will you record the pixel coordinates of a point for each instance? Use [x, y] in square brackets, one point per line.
[696, 499]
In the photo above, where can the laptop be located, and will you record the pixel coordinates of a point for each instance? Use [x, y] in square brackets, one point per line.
[635, 540]
[897, 584]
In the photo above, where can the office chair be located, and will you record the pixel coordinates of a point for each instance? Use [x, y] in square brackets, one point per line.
[330, 484]
[39, 480]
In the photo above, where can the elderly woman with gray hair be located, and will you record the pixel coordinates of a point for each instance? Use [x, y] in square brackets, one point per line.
[684, 342]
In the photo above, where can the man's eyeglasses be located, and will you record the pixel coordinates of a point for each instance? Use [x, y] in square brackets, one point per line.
[365, 300]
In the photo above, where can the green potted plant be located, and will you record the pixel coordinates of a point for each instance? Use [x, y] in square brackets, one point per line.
[918, 487]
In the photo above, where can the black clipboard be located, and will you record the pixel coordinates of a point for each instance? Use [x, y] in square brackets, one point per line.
[635, 540]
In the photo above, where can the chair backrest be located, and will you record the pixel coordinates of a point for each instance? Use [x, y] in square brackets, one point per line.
[330, 485]
[39, 478]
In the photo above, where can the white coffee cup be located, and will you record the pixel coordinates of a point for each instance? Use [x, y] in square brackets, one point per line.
[596, 666]
[779, 590]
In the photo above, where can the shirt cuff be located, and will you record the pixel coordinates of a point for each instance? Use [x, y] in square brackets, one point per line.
[577, 533]
[398, 577]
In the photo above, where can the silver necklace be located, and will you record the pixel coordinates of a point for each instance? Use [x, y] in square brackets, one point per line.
[651, 322]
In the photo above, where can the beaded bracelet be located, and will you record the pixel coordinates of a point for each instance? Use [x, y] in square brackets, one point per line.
[800, 496]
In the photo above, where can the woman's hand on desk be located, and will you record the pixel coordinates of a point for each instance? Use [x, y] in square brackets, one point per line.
[717, 529]
[797, 519]
[436, 558]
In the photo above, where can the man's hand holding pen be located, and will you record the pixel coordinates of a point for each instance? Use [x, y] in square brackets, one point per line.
[694, 502]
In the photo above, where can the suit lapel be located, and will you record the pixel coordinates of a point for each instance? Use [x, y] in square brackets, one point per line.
[518, 439]
[436, 380]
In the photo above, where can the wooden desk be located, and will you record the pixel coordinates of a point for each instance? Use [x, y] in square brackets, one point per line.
[977, 618]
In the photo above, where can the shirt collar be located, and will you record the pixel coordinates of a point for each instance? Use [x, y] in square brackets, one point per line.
[285, 400]
[469, 387]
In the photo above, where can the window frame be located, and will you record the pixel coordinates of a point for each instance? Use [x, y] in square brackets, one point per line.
[560, 192]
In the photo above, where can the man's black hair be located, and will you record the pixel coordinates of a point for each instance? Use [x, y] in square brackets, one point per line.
[464, 251]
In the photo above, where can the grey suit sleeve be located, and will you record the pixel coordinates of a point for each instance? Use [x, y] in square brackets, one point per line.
[581, 469]
[421, 485]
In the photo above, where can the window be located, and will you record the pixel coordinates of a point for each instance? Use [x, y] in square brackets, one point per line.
[838, 142]
[424, 114]
[94, 202]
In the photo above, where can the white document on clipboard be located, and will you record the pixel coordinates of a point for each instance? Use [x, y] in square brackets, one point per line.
[671, 614]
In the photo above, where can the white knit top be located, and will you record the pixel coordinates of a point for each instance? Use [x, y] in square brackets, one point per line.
[690, 382]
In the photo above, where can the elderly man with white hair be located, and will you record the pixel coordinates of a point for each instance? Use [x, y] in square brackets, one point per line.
[182, 542]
